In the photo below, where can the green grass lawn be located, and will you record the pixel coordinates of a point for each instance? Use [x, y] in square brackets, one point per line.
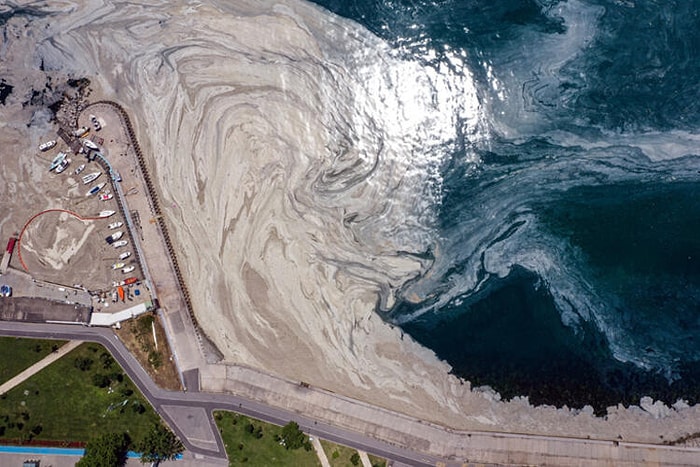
[64, 401]
[17, 354]
[243, 447]
[340, 456]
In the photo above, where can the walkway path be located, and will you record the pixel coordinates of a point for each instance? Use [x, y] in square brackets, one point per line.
[38, 366]
[320, 452]
[364, 458]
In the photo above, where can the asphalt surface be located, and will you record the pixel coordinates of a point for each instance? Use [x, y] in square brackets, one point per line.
[166, 402]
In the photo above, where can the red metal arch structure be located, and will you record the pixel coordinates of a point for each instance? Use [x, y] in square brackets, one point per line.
[19, 240]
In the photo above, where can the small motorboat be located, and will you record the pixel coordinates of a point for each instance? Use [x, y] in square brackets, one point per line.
[106, 196]
[107, 214]
[47, 145]
[91, 177]
[119, 244]
[128, 269]
[96, 189]
[124, 255]
[80, 168]
[115, 225]
[117, 265]
[63, 165]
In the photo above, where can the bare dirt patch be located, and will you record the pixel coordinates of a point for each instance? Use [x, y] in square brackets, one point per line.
[137, 335]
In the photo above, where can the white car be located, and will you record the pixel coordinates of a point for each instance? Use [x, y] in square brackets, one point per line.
[95, 123]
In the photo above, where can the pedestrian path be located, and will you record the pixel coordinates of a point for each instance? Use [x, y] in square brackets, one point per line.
[364, 458]
[38, 366]
[320, 452]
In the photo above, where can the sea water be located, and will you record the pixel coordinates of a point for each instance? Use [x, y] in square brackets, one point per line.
[567, 265]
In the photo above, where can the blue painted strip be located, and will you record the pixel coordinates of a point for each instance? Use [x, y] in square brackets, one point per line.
[36, 450]
[42, 450]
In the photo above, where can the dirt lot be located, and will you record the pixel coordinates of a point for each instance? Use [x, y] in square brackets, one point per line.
[137, 335]
[58, 246]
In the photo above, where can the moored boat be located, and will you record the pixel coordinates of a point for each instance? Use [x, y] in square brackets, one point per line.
[58, 160]
[90, 145]
[117, 265]
[108, 213]
[120, 243]
[96, 189]
[80, 168]
[115, 225]
[128, 269]
[63, 165]
[91, 177]
[106, 196]
[125, 255]
[47, 145]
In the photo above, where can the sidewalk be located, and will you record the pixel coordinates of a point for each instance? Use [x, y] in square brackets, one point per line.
[38, 366]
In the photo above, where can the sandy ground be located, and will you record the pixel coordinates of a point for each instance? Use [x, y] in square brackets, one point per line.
[293, 220]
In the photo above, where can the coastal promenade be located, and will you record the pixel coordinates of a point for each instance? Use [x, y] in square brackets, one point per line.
[214, 385]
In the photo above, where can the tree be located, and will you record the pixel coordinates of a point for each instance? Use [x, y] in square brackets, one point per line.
[292, 436]
[159, 444]
[355, 459]
[108, 450]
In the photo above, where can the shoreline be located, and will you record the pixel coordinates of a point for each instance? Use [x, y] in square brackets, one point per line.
[245, 231]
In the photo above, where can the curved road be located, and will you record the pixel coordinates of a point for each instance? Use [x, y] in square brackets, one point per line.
[169, 403]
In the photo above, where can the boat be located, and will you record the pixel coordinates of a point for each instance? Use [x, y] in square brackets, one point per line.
[58, 160]
[80, 168]
[115, 236]
[96, 189]
[63, 165]
[117, 265]
[115, 225]
[108, 213]
[90, 145]
[120, 243]
[47, 145]
[120, 292]
[130, 280]
[106, 196]
[80, 132]
[91, 177]
[128, 269]
[125, 255]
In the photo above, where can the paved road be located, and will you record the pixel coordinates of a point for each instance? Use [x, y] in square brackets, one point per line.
[169, 403]
[189, 415]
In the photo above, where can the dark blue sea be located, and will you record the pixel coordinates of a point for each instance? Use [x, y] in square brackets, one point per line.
[568, 262]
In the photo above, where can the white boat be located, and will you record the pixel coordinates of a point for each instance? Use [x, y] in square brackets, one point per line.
[117, 235]
[82, 131]
[90, 145]
[128, 269]
[91, 177]
[108, 213]
[125, 255]
[58, 160]
[96, 189]
[106, 196]
[47, 145]
[115, 225]
[120, 243]
[80, 168]
[63, 165]
[117, 265]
